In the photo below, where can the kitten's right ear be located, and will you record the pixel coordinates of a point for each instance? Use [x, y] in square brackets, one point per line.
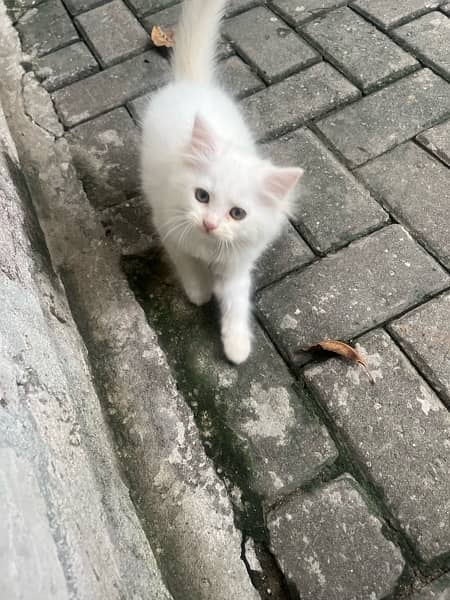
[202, 146]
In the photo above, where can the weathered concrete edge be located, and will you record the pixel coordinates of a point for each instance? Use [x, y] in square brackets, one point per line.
[183, 505]
[68, 526]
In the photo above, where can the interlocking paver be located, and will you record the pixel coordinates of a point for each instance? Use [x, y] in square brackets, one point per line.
[437, 141]
[388, 117]
[113, 32]
[109, 89]
[387, 14]
[400, 431]
[415, 187]
[238, 78]
[65, 66]
[167, 18]
[438, 590]
[145, 7]
[137, 108]
[20, 7]
[236, 6]
[363, 53]
[268, 44]
[286, 105]
[46, 28]
[75, 7]
[254, 410]
[429, 39]
[105, 152]
[325, 539]
[287, 253]
[297, 12]
[345, 294]
[333, 207]
[424, 334]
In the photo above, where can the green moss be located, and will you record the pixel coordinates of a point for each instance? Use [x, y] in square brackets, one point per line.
[190, 338]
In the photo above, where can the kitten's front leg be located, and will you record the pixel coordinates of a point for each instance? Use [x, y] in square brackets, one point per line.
[194, 276]
[233, 294]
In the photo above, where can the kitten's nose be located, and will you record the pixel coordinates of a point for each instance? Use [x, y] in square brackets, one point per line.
[209, 225]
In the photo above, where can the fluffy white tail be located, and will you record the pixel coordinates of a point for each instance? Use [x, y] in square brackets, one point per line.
[196, 39]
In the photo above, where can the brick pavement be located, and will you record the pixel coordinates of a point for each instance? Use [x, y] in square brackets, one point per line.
[346, 482]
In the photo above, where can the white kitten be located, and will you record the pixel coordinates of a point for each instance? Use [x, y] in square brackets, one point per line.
[216, 204]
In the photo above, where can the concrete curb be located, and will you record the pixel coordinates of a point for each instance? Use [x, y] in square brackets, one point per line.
[68, 527]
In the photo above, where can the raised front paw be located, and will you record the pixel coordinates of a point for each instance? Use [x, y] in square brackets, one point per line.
[197, 295]
[237, 347]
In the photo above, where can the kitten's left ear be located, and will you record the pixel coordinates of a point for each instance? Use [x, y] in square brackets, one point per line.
[202, 145]
[279, 181]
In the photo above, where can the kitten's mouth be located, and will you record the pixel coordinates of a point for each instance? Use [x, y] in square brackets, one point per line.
[208, 232]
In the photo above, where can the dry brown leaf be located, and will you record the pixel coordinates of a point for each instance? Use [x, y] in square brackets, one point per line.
[161, 38]
[344, 350]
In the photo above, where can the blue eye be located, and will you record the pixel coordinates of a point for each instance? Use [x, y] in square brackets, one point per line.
[237, 213]
[202, 195]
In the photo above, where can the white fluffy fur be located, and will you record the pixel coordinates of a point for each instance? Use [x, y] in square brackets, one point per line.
[194, 137]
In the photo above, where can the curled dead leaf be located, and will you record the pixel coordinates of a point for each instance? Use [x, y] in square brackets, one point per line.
[161, 38]
[344, 350]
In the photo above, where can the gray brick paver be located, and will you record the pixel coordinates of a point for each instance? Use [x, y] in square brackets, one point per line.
[345, 294]
[65, 66]
[145, 7]
[287, 105]
[333, 208]
[20, 7]
[400, 431]
[46, 28]
[424, 334]
[236, 6]
[105, 152]
[392, 115]
[392, 13]
[75, 7]
[324, 541]
[137, 108]
[438, 590]
[416, 189]
[297, 12]
[363, 53]
[286, 254]
[167, 18]
[268, 44]
[109, 89]
[237, 77]
[113, 32]
[437, 141]
[429, 39]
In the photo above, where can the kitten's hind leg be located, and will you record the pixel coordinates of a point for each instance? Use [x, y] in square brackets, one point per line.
[233, 294]
[194, 276]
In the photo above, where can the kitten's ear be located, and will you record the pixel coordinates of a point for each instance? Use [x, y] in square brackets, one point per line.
[202, 144]
[278, 181]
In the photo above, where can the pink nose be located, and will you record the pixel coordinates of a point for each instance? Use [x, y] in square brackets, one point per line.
[209, 226]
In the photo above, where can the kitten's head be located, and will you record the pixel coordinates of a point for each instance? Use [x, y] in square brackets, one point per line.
[229, 196]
